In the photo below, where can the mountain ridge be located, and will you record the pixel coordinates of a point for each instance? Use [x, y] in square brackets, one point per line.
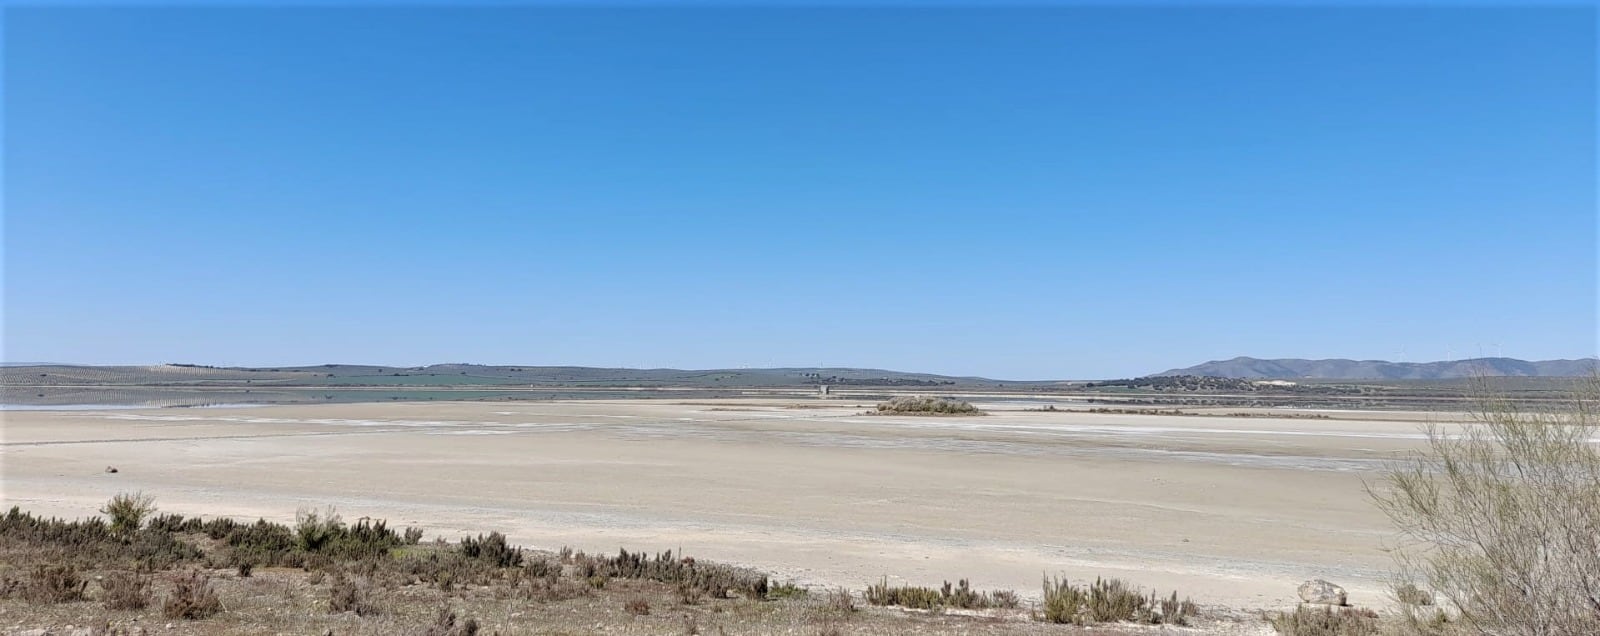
[1245, 367]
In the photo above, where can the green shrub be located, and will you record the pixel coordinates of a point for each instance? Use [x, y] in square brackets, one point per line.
[313, 530]
[785, 590]
[174, 523]
[260, 542]
[128, 511]
[219, 527]
[716, 580]
[1064, 602]
[492, 549]
[960, 596]
[1112, 600]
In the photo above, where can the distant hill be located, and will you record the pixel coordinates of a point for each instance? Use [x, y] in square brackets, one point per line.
[457, 375]
[1339, 369]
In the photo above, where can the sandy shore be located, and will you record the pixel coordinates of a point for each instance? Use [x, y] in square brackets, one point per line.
[1233, 511]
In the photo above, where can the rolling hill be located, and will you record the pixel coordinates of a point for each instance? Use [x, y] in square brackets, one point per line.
[343, 375]
[1341, 369]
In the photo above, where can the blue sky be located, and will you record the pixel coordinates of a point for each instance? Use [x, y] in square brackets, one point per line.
[1046, 192]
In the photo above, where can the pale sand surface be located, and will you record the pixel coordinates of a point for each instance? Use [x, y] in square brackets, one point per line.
[1233, 511]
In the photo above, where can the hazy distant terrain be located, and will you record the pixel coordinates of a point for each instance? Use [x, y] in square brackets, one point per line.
[1341, 369]
[335, 375]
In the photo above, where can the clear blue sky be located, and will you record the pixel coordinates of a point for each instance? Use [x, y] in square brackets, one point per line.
[1063, 192]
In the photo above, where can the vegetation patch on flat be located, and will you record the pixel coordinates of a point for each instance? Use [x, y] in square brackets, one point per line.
[926, 405]
[134, 570]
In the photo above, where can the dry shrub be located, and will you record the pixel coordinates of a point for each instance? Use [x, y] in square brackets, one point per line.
[1177, 612]
[1327, 621]
[126, 590]
[446, 624]
[840, 600]
[541, 568]
[1410, 594]
[556, 590]
[192, 597]
[1501, 519]
[351, 595]
[689, 594]
[54, 584]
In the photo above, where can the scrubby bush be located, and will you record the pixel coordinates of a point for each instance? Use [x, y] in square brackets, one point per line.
[903, 595]
[1501, 519]
[689, 594]
[1064, 602]
[174, 523]
[927, 405]
[1327, 621]
[716, 580]
[784, 590]
[1110, 601]
[960, 596]
[840, 600]
[314, 530]
[192, 597]
[260, 542]
[219, 527]
[351, 595]
[446, 624]
[128, 511]
[1175, 611]
[1410, 594]
[126, 591]
[492, 549]
[54, 584]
